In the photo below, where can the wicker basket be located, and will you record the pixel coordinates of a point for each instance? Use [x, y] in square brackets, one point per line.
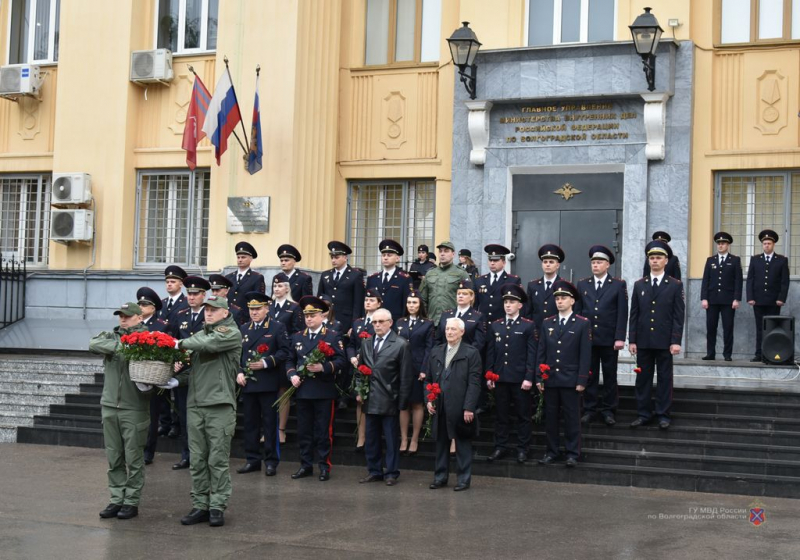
[151, 372]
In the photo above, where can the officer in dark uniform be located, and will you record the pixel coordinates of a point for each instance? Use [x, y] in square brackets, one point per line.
[244, 279]
[259, 375]
[420, 267]
[541, 302]
[489, 287]
[314, 399]
[220, 286]
[474, 321]
[189, 321]
[511, 354]
[343, 283]
[655, 333]
[393, 283]
[673, 267]
[720, 294]
[331, 322]
[175, 300]
[465, 261]
[565, 347]
[150, 304]
[767, 284]
[284, 309]
[300, 281]
[604, 301]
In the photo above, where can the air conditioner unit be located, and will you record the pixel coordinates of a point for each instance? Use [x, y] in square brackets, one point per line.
[153, 66]
[71, 225]
[20, 79]
[71, 188]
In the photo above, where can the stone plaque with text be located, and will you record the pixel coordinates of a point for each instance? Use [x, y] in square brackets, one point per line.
[248, 214]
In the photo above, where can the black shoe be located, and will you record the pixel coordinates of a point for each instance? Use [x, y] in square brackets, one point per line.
[272, 470]
[324, 475]
[128, 512]
[572, 462]
[522, 456]
[359, 449]
[173, 433]
[588, 417]
[728, 359]
[303, 472]
[391, 481]
[216, 518]
[111, 511]
[461, 486]
[435, 485]
[248, 468]
[195, 516]
[664, 424]
[757, 359]
[708, 357]
[609, 419]
[182, 464]
[148, 460]
[498, 453]
[547, 460]
[371, 478]
[639, 422]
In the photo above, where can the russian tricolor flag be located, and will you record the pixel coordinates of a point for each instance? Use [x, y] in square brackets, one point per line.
[223, 115]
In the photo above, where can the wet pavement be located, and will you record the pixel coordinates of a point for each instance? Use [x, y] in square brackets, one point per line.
[50, 497]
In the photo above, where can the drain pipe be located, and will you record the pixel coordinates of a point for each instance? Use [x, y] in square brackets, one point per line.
[91, 264]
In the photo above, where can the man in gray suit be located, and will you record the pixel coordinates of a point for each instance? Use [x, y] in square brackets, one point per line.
[389, 358]
[456, 367]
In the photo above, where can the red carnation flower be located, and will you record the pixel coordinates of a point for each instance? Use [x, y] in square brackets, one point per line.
[325, 348]
[545, 377]
[637, 370]
[431, 397]
[364, 334]
[262, 349]
[364, 370]
[544, 367]
[429, 387]
[489, 375]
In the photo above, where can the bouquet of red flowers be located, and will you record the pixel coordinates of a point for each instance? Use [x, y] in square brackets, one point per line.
[255, 356]
[492, 378]
[145, 346]
[364, 334]
[318, 355]
[433, 394]
[360, 383]
[539, 414]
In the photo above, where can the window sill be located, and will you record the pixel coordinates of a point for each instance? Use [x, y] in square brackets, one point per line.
[194, 54]
[780, 43]
[396, 66]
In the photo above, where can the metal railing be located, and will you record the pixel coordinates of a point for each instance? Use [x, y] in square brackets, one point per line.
[12, 291]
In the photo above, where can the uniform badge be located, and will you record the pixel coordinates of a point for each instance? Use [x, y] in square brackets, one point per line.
[185, 325]
[550, 330]
[642, 293]
[341, 346]
[299, 346]
[222, 329]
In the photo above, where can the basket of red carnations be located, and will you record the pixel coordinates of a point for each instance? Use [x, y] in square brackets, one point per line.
[152, 356]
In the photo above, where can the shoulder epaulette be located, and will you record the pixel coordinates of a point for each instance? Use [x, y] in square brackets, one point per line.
[374, 274]
[498, 321]
[184, 310]
[403, 273]
[526, 320]
[550, 317]
[513, 276]
[584, 279]
[581, 317]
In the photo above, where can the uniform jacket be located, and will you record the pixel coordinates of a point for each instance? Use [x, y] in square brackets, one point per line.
[461, 386]
[118, 389]
[511, 351]
[474, 327]
[489, 297]
[185, 327]
[300, 284]
[472, 270]
[420, 340]
[347, 294]
[392, 375]
[252, 282]
[354, 341]
[419, 269]
[394, 292]
[767, 284]
[154, 324]
[607, 310]
[273, 334]
[338, 327]
[541, 302]
[322, 385]
[673, 268]
[240, 315]
[290, 315]
[170, 318]
[567, 350]
[656, 319]
[722, 284]
[439, 287]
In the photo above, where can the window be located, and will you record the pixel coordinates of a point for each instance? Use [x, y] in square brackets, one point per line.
[555, 22]
[25, 217]
[755, 21]
[187, 26]
[402, 31]
[33, 31]
[172, 218]
[747, 203]
[399, 210]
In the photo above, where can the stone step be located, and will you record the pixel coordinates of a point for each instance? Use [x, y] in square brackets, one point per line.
[29, 397]
[717, 406]
[15, 419]
[54, 365]
[69, 377]
[38, 387]
[8, 434]
[24, 409]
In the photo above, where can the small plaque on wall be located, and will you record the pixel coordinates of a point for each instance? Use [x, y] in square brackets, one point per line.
[248, 214]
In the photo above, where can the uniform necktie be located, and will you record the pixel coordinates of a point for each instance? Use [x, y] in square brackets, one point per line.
[599, 285]
[547, 286]
[194, 317]
[655, 283]
[239, 278]
[563, 321]
[367, 321]
[411, 323]
[336, 277]
[169, 306]
[312, 336]
[508, 323]
[721, 260]
[494, 278]
[385, 278]
[459, 315]
[768, 257]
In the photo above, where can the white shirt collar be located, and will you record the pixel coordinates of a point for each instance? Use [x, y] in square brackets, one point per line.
[316, 331]
[290, 274]
[341, 270]
[769, 255]
[514, 318]
[551, 279]
[602, 279]
[464, 309]
[389, 271]
[562, 316]
[659, 276]
[240, 272]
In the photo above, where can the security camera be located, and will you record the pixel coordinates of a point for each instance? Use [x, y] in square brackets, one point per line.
[511, 256]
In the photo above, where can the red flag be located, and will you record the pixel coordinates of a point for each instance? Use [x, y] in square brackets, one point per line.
[195, 118]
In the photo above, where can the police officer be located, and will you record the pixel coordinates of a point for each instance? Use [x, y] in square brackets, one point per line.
[244, 279]
[421, 266]
[393, 283]
[465, 261]
[511, 354]
[259, 374]
[300, 281]
[541, 302]
[474, 321]
[767, 284]
[221, 286]
[565, 347]
[654, 334]
[343, 283]
[673, 267]
[440, 284]
[604, 301]
[720, 294]
[489, 287]
[283, 307]
[175, 300]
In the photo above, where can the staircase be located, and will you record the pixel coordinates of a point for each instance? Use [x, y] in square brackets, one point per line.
[737, 441]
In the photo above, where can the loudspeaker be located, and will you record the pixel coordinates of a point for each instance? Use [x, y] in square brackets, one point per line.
[777, 346]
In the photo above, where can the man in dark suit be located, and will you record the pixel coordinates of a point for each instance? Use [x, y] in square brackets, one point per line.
[767, 284]
[673, 267]
[150, 304]
[489, 287]
[175, 300]
[220, 286]
[720, 294]
[604, 301]
[393, 283]
[314, 399]
[389, 358]
[244, 279]
[474, 322]
[541, 302]
[655, 334]
[343, 284]
[420, 267]
[456, 367]
[259, 376]
[300, 281]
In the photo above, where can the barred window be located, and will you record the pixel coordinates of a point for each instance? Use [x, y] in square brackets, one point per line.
[747, 203]
[172, 218]
[399, 210]
[25, 218]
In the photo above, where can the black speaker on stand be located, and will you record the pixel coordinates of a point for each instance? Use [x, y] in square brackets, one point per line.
[777, 345]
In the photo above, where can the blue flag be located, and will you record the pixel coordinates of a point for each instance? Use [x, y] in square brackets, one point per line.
[254, 164]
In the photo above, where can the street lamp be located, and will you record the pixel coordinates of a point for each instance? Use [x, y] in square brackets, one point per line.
[464, 47]
[646, 34]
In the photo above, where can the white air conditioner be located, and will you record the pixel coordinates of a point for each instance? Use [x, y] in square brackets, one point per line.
[20, 79]
[71, 188]
[71, 225]
[151, 66]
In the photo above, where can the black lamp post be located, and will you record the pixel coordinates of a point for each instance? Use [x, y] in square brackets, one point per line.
[464, 47]
[646, 34]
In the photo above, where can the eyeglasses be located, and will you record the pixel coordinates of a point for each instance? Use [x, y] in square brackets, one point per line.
[380, 321]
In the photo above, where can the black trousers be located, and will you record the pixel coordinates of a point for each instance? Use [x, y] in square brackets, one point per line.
[593, 401]
[563, 402]
[382, 427]
[261, 417]
[157, 404]
[181, 396]
[659, 362]
[315, 431]
[463, 451]
[760, 312]
[713, 314]
[504, 395]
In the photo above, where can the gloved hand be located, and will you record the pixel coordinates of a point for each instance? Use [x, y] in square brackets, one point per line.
[171, 384]
[144, 387]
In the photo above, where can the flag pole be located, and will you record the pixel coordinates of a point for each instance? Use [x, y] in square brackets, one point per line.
[244, 132]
